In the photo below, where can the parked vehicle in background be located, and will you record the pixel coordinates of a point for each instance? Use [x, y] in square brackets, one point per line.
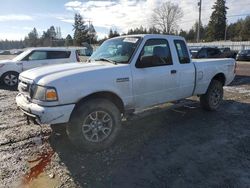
[226, 49]
[32, 58]
[230, 53]
[124, 75]
[210, 52]
[16, 52]
[84, 51]
[243, 55]
[5, 52]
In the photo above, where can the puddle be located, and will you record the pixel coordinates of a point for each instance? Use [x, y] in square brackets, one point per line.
[37, 177]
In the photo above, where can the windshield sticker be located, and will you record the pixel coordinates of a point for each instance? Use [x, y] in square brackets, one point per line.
[131, 40]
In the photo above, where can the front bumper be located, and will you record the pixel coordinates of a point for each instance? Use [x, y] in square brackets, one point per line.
[42, 114]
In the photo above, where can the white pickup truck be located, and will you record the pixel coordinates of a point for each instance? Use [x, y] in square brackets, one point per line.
[123, 75]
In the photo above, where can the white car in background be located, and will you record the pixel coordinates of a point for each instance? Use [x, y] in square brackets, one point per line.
[32, 58]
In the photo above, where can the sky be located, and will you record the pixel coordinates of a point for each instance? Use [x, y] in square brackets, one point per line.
[19, 17]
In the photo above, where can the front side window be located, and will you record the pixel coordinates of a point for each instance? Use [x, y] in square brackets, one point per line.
[118, 50]
[58, 54]
[182, 51]
[155, 52]
[37, 55]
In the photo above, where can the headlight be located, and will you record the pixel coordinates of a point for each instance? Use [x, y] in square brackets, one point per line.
[44, 93]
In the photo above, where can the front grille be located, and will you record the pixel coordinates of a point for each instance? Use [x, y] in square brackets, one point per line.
[25, 86]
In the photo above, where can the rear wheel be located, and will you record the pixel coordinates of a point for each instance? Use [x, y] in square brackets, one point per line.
[212, 99]
[10, 79]
[94, 125]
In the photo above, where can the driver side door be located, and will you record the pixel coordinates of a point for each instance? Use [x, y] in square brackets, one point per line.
[155, 79]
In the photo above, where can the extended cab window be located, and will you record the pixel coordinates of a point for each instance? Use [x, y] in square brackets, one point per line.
[155, 52]
[58, 54]
[182, 51]
[36, 55]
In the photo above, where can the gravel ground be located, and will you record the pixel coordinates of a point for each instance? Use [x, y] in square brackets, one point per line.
[181, 147]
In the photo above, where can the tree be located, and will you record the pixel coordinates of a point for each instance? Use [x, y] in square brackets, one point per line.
[217, 23]
[183, 34]
[92, 34]
[153, 30]
[80, 30]
[113, 34]
[32, 39]
[49, 37]
[68, 40]
[165, 17]
[245, 31]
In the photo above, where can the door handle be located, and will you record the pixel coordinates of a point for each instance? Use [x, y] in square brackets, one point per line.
[173, 71]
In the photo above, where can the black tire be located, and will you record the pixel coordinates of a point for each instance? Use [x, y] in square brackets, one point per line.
[212, 99]
[59, 128]
[88, 119]
[10, 79]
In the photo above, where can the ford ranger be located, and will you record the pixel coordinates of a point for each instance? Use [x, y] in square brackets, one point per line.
[124, 75]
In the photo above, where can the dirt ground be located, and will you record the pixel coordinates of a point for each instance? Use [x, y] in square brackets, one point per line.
[182, 147]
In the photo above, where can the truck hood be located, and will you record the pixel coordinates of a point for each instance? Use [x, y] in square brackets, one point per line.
[54, 72]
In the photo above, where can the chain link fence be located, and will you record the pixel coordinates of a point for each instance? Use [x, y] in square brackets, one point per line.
[237, 46]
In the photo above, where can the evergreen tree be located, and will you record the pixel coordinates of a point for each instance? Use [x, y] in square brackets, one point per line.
[32, 39]
[217, 23]
[68, 40]
[183, 34]
[80, 30]
[49, 37]
[113, 34]
[245, 31]
[92, 34]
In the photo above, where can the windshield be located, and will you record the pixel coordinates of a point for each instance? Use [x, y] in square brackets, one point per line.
[22, 55]
[118, 50]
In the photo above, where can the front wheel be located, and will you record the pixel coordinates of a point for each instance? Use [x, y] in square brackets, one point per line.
[94, 125]
[10, 79]
[212, 99]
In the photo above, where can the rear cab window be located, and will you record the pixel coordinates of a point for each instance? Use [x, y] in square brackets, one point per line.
[182, 51]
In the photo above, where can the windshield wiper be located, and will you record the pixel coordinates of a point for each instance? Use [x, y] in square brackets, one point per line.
[105, 59]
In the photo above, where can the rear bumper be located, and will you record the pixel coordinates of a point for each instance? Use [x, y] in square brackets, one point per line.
[44, 115]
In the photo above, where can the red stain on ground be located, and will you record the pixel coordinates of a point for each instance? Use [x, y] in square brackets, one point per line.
[44, 159]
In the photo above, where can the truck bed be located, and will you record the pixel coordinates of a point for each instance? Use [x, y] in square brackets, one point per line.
[210, 68]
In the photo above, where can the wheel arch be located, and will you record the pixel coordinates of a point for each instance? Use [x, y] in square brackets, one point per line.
[220, 77]
[13, 71]
[114, 98]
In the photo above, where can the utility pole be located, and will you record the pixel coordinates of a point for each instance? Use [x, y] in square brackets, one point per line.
[199, 23]
[225, 35]
[90, 22]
